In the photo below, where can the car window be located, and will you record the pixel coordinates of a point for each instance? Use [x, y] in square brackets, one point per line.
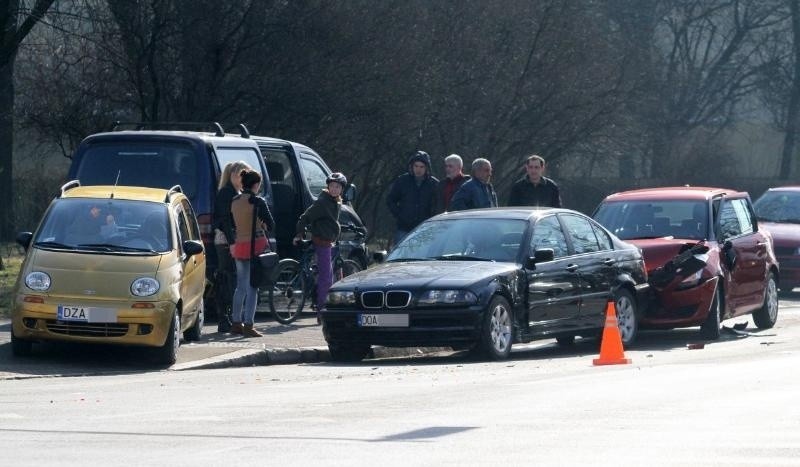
[602, 238]
[778, 206]
[743, 215]
[156, 165]
[490, 239]
[314, 174]
[547, 234]
[728, 221]
[191, 220]
[251, 156]
[114, 223]
[581, 233]
[279, 167]
[655, 218]
[183, 227]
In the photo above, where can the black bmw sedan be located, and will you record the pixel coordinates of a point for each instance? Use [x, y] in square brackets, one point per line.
[486, 279]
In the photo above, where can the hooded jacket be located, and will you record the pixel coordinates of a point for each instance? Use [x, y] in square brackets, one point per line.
[410, 202]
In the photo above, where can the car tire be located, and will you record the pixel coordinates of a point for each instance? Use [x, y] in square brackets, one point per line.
[167, 354]
[710, 329]
[565, 341]
[194, 333]
[627, 316]
[348, 353]
[766, 316]
[20, 347]
[497, 330]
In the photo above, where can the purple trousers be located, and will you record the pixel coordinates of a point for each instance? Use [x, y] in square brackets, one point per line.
[324, 274]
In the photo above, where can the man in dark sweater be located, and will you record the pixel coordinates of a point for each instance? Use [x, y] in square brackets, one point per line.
[412, 198]
[534, 189]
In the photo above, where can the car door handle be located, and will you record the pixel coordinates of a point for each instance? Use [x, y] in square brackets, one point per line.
[572, 267]
[609, 261]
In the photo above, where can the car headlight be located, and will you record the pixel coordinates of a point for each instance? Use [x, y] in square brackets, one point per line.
[342, 298]
[38, 281]
[447, 297]
[145, 286]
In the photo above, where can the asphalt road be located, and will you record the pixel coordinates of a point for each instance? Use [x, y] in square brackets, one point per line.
[733, 402]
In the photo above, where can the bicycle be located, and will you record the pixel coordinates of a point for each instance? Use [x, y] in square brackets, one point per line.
[296, 281]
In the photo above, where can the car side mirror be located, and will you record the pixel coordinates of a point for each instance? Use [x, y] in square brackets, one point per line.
[24, 239]
[192, 247]
[379, 256]
[349, 195]
[541, 255]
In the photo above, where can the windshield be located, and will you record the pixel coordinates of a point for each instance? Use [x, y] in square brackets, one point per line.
[630, 220]
[462, 239]
[105, 225]
[778, 206]
[149, 164]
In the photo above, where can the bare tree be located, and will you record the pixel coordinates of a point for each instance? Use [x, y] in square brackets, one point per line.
[16, 21]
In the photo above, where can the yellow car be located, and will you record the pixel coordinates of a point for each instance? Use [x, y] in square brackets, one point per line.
[112, 264]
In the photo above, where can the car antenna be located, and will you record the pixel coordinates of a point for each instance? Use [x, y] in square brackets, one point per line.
[115, 183]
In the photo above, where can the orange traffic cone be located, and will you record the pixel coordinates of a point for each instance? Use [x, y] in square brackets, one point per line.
[611, 347]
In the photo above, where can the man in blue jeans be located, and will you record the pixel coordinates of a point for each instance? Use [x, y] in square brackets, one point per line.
[478, 192]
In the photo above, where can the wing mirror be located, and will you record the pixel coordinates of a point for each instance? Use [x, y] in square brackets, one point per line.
[542, 255]
[24, 239]
[379, 256]
[192, 247]
[349, 195]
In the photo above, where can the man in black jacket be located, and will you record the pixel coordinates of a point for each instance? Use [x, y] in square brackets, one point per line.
[412, 198]
[534, 189]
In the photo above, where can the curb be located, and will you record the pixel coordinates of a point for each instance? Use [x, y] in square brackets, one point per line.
[293, 356]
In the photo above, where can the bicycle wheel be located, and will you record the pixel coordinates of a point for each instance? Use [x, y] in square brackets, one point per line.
[344, 268]
[286, 296]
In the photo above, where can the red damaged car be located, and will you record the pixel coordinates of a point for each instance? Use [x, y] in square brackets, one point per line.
[778, 210]
[706, 257]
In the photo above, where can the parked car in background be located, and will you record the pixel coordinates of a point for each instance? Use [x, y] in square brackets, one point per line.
[485, 279]
[737, 275]
[778, 211]
[112, 264]
[297, 175]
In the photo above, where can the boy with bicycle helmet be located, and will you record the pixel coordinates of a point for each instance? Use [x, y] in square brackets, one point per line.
[322, 218]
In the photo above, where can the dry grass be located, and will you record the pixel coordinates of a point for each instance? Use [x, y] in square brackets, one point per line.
[12, 260]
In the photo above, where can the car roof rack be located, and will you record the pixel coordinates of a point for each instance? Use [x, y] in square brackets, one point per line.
[188, 126]
[68, 186]
[243, 132]
[174, 189]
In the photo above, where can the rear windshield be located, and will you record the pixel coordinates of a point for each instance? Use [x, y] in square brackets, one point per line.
[148, 164]
[653, 219]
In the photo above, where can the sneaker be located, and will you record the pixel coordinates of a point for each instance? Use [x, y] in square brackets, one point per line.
[250, 332]
[236, 328]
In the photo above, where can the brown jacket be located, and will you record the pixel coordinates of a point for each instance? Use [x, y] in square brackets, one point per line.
[242, 211]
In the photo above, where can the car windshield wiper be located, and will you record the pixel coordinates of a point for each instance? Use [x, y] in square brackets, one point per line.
[400, 260]
[54, 245]
[457, 257]
[113, 247]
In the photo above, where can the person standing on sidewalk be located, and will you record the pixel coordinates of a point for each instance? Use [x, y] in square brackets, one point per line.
[534, 189]
[412, 198]
[230, 185]
[322, 219]
[243, 207]
[454, 178]
[478, 192]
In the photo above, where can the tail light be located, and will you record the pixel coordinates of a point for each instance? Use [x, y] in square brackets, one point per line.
[206, 232]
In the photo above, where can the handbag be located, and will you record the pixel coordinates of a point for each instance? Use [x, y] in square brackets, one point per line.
[261, 265]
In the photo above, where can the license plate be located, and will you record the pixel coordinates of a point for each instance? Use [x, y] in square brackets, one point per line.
[383, 320]
[86, 314]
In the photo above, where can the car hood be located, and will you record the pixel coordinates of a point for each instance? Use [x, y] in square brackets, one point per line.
[784, 234]
[105, 275]
[425, 274]
[657, 251]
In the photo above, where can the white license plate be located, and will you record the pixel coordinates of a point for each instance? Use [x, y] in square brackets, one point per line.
[86, 314]
[383, 320]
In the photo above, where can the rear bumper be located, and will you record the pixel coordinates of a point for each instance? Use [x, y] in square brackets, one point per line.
[679, 308]
[435, 328]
